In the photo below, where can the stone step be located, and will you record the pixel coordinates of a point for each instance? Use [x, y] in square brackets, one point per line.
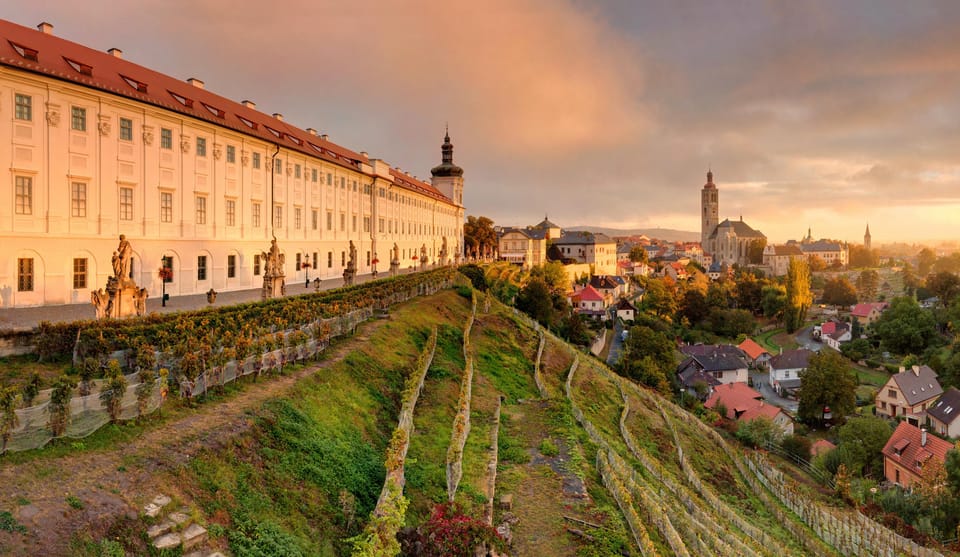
[160, 529]
[168, 541]
[194, 535]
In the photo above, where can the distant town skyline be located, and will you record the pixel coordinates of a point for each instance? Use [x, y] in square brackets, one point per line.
[828, 115]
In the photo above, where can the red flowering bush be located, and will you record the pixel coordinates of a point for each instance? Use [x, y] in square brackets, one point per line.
[451, 533]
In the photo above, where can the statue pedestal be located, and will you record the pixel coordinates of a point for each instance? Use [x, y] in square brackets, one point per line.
[394, 268]
[273, 287]
[348, 275]
[124, 299]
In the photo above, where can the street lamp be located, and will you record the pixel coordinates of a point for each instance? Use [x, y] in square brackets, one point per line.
[374, 261]
[166, 275]
[306, 269]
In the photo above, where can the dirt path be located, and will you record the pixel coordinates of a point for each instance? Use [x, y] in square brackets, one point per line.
[110, 484]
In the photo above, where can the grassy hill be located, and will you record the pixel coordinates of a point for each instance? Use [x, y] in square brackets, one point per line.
[594, 465]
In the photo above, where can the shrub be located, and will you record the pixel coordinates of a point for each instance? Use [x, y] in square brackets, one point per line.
[8, 415]
[31, 389]
[797, 446]
[548, 448]
[148, 380]
[60, 405]
[113, 389]
[451, 533]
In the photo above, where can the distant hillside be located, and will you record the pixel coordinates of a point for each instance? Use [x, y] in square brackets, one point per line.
[667, 234]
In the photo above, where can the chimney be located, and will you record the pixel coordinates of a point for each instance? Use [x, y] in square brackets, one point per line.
[249, 104]
[46, 28]
[923, 437]
[116, 53]
[325, 137]
[916, 370]
[195, 82]
[364, 154]
[278, 116]
[902, 369]
[311, 131]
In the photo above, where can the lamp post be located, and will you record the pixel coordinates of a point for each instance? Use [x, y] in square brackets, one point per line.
[166, 274]
[306, 269]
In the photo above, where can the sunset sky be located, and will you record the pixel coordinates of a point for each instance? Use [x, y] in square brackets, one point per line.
[598, 112]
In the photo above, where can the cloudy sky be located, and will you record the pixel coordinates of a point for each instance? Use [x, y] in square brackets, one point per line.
[824, 114]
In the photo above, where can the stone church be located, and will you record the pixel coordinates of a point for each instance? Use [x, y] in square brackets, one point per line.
[728, 241]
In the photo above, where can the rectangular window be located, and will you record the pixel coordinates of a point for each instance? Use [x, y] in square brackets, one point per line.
[201, 267]
[354, 219]
[24, 197]
[329, 220]
[329, 259]
[343, 182]
[313, 175]
[891, 393]
[278, 216]
[25, 275]
[366, 224]
[201, 205]
[78, 118]
[167, 263]
[23, 109]
[278, 166]
[256, 265]
[166, 206]
[256, 161]
[255, 215]
[343, 259]
[380, 223]
[296, 218]
[297, 263]
[126, 203]
[166, 138]
[231, 212]
[296, 171]
[354, 186]
[329, 178]
[201, 146]
[78, 199]
[315, 218]
[343, 222]
[79, 273]
[231, 266]
[231, 154]
[126, 129]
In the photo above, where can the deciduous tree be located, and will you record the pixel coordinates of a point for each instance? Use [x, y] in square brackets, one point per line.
[945, 285]
[905, 327]
[479, 237]
[827, 382]
[638, 254]
[839, 291]
[868, 283]
[861, 441]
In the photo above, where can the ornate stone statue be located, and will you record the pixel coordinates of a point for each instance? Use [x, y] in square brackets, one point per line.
[394, 260]
[100, 300]
[140, 301]
[123, 254]
[273, 284]
[352, 264]
[396, 253]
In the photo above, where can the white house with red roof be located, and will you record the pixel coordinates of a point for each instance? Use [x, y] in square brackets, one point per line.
[834, 333]
[757, 354]
[96, 146]
[589, 301]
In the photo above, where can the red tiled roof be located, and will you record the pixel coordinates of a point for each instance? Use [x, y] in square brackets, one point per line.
[752, 349]
[760, 409]
[863, 310]
[821, 446]
[736, 397]
[904, 447]
[46, 54]
[590, 294]
[828, 328]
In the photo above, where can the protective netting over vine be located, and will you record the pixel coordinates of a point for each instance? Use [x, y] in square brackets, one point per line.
[89, 413]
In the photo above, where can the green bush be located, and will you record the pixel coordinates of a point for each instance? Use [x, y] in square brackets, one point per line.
[549, 448]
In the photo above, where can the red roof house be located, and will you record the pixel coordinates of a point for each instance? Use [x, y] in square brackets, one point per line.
[908, 450]
[745, 404]
[754, 351]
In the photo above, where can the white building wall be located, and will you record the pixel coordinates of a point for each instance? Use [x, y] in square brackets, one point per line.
[53, 156]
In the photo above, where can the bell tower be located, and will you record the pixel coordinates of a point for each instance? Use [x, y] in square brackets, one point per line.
[866, 238]
[710, 209]
[448, 179]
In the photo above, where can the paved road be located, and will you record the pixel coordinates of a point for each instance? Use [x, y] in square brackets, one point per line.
[28, 318]
[616, 344]
[761, 383]
[805, 339]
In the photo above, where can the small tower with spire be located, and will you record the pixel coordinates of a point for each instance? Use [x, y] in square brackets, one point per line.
[448, 177]
[710, 210]
[866, 238]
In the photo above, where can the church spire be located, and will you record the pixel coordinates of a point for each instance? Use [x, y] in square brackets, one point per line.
[446, 167]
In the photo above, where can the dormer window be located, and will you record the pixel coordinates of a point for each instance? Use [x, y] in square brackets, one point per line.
[138, 85]
[24, 51]
[250, 123]
[213, 110]
[277, 133]
[80, 67]
[296, 140]
[181, 99]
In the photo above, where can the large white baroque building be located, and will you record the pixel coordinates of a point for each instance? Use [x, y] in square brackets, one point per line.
[96, 146]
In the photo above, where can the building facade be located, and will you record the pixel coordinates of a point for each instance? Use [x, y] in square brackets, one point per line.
[597, 250]
[728, 242]
[200, 184]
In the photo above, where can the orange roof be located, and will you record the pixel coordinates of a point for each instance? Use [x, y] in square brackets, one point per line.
[761, 409]
[821, 446]
[752, 349]
[905, 448]
[37, 52]
[590, 294]
[736, 397]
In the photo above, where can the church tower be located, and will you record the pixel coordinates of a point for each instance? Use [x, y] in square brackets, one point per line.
[866, 238]
[710, 207]
[448, 179]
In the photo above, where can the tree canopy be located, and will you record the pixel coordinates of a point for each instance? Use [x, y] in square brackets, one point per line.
[648, 357]
[799, 296]
[827, 381]
[638, 254]
[905, 327]
[861, 442]
[839, 291]
[479, 238]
